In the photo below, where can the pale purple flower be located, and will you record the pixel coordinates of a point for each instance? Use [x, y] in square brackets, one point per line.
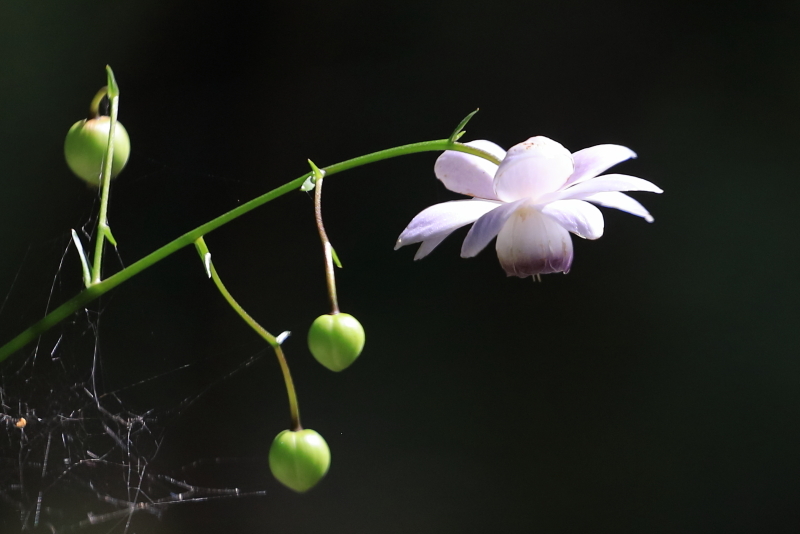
[530, 202]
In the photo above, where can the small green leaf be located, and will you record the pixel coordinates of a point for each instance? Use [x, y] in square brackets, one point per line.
[457, 133]
[113, 88]
[107, 231]
[318, 174]
[335, 257]
[311, 181]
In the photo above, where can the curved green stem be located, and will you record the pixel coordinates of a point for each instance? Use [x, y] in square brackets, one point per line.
[294, 409]
[91, 293]
[94, 106]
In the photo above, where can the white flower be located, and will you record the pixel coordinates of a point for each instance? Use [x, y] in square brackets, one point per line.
[530, 202]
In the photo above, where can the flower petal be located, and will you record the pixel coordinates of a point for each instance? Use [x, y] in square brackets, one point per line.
[533, 168]
[577, 216]
[620, 201]
[433, 224]
[429, 244]
[591, 161]
[487, 227]
[532, 243]
[603, 184]
[468, 174]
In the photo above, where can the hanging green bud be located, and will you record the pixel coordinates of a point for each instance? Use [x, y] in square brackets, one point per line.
[86, 144]
[299, 459]
[336, 340]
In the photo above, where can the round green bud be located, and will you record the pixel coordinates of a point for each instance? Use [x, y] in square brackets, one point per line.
[86, 144]
[299, 459]
[336, 340]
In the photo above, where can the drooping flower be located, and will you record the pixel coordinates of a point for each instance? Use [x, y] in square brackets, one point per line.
[531, 202]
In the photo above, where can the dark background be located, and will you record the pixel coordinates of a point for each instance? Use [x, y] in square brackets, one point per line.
[655, 388]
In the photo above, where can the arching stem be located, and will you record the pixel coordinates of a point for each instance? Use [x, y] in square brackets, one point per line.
[97, 289]
[294, 409]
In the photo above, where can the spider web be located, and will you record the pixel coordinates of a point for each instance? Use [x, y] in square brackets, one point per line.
[75, 457]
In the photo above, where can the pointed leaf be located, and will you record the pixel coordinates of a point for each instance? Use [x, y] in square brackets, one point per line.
[107, 232]
[113, 88]
[318, 174]
[458, 131]
[335, 257]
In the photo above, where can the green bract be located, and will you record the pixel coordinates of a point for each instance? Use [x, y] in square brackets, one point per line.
[86, 144]
[299, 459]
[336, 340]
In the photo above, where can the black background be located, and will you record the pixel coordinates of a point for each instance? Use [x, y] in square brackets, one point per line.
[655, 388]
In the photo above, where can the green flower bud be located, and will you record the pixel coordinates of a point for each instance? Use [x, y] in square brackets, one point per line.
[299, 459]
[336, 340]
[86, 144]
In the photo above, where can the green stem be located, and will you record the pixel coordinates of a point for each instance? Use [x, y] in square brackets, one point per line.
[94, 107]
[91, 293]
[294, 409]
[327, 248]
[105, 178]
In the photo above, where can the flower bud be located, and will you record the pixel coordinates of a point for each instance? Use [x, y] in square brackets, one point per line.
[86, 144]
[299, 459]
[336, 340]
